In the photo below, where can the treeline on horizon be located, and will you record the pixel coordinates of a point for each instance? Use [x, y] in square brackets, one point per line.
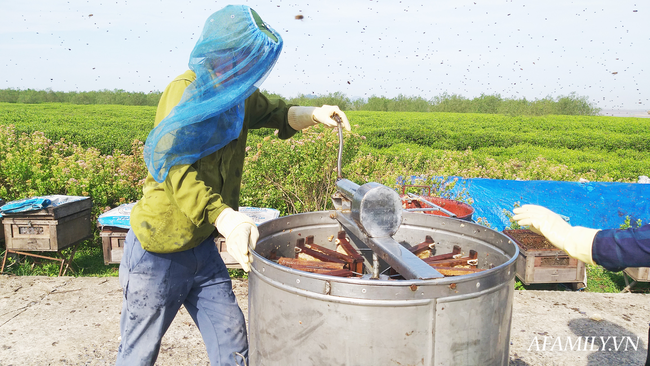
[571, 104]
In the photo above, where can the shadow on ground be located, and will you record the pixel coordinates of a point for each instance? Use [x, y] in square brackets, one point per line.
[609, 343]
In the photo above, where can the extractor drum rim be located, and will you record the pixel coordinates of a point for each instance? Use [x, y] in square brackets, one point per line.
[384, 289]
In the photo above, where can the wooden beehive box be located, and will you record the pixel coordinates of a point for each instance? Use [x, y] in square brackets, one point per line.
[228, 259]
[50, 229]
[541, 262]
[113, 243]
[113, 246]
[639, 274]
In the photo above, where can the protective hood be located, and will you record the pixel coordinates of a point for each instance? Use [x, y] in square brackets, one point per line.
[232, 57]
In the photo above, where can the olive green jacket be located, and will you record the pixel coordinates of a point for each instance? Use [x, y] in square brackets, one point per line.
[179, 213]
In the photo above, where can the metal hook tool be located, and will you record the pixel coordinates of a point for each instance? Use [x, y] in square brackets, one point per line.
[339, 121]
[235, 356]
[434, 207]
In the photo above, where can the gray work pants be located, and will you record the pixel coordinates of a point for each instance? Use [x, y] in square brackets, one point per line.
[156, 285]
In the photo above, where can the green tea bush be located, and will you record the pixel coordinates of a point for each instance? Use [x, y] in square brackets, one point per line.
[408, 159]
[595, 148]
[298, 174]
[454, 131]
[33, 165]
[104, 127]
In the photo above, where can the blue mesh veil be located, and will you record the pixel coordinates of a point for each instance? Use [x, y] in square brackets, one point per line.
[231, 58]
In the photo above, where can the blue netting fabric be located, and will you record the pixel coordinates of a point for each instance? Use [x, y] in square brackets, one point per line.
[231, 59]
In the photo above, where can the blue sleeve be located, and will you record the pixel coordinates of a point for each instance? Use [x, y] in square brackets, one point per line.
[617, 249]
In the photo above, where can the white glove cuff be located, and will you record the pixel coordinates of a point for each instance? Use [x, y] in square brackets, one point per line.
[579, 243]
[301, 117]
[229, 219]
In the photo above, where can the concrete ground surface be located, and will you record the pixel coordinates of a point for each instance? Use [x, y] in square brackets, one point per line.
[75, 321]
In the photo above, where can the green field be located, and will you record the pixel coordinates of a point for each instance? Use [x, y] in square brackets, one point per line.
[601, 148]
[95, 150]
[596, 147]
[105, 127]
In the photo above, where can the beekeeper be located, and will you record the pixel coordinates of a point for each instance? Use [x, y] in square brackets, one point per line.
[614, 249]
[195, 155]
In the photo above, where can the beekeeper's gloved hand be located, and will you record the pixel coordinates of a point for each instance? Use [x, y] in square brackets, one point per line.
[303, 117]
[577, 241]
[240, 232]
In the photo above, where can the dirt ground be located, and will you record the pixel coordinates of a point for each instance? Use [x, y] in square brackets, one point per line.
[75, 321]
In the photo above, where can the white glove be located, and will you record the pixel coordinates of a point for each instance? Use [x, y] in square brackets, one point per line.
[241, 234]
[303, 117]
[577, 241]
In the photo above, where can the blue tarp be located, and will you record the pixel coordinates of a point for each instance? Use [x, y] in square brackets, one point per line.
[37, 203]
[24, 205]
[597, 205]
[119, 216]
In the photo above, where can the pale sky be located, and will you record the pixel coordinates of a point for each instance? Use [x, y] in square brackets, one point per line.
[528, 48]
